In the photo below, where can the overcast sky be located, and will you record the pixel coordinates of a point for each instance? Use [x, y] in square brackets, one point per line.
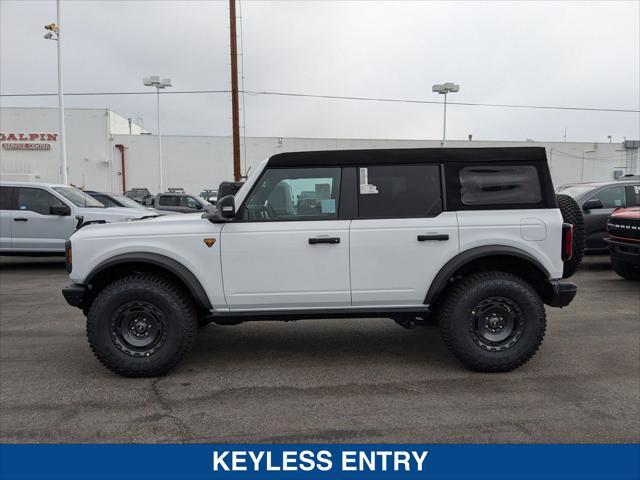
[583, 54]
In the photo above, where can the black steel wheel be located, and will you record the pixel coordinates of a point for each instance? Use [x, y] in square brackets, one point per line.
[496, 324]
[142, 325]
[492, 321]
[139, 328]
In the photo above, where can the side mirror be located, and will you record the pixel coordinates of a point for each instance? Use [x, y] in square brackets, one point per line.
[59, 210]
[592, 204]
[226, 207]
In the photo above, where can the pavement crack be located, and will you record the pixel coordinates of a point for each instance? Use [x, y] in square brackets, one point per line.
[168, 411]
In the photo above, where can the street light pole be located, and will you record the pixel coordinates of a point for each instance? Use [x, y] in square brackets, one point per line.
[154, 81]
[54, 33]
[444, 89]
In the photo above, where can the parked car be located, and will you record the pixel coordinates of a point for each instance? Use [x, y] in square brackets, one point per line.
[37, 218]
[140, 195]
[383, 238]
[180, 202]
[210, 196]
[598, 200]
[117, 200]
[623, 242]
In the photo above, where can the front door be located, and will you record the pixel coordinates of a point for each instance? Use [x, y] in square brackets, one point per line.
[402, 237]
[33, 227]
[288, 248]
[595, 221]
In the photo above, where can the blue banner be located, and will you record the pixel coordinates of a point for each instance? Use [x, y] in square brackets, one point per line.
[318, 461]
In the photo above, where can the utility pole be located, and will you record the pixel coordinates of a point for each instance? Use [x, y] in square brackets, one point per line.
[235, 115]
[55, 33]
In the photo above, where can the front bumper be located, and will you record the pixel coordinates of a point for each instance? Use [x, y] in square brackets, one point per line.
[627, 252]
[560, 293]
[75, 294]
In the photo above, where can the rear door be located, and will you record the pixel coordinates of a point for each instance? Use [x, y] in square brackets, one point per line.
[288, 247]
[401, 236]
[6, 207]
[33, 227]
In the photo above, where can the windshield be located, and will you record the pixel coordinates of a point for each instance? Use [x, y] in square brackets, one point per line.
[78, 197]
[128, 203]
[577, 191]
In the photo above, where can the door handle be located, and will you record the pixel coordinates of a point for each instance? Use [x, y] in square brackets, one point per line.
[20, 219]
[435, 236]
[314, 240]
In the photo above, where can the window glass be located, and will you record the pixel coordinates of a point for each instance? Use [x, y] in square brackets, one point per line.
[5, 198]
[294, 194]
[169, 200]
[499, 185]
[106, 201]
[78, 197]
[612, 197]
[36, 200]
[126, 202]
[193, 203]
[399, 191]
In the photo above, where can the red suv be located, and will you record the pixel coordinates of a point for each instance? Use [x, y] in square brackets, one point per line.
[623, 227]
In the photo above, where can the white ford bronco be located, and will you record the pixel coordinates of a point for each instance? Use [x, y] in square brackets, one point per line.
[472, 237]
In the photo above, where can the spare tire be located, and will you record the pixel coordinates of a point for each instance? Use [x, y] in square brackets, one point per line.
[572, 214]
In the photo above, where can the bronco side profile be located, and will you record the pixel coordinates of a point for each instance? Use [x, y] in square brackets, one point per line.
[471, 236]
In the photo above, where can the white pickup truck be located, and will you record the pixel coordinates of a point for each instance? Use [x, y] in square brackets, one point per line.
[473, 237]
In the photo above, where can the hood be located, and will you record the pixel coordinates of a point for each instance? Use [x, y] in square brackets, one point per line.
[111, 214]
[632, 213]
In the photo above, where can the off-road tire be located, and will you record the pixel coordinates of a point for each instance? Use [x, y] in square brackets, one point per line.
[625, 270]
[457, 324]
[572, 214]
[166, 300]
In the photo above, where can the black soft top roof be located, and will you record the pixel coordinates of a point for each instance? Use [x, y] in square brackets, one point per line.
[408, 156]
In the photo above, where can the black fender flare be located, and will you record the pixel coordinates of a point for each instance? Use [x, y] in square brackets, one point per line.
[185, 275]
[441, 280]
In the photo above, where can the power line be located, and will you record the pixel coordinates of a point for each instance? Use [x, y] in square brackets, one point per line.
[335, 97]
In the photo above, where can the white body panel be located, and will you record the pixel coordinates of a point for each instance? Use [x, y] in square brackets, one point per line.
[179, 237]
[270, 265]
[512, 228]
[390, 267]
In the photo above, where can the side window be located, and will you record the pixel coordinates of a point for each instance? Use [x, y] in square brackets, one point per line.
[633, 195]
[36, 200]
[6, 194]
[169, 200]
[399, 191]
[294, 194]
[499, 185]
[612, 197]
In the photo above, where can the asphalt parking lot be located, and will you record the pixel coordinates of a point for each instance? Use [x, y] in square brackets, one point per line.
[364, 380]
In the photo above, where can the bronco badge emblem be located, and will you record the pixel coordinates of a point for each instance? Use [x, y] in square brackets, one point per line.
[209, 242]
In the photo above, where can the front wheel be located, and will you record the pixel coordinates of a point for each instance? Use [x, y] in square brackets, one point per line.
[492, 321]
[141, 325]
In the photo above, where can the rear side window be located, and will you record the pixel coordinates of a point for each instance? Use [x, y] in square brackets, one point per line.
[633, 194]
[500, 185]
[169, 200]
[5, 198]
[397, 191]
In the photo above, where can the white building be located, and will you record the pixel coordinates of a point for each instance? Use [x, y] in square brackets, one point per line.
[107, 152]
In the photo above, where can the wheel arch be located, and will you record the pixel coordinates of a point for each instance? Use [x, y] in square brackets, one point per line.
[123, 264]
[501, 258]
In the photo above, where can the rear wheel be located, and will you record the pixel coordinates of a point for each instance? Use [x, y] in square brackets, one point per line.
[141, 325]
[625, 270]
[572, 214]
[492, 321]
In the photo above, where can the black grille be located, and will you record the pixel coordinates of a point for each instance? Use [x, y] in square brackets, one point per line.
[624, 227]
